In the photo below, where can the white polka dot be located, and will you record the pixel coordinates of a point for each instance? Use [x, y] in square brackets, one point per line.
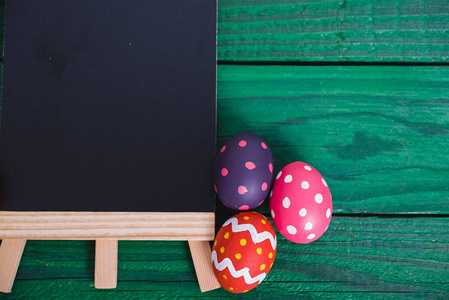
[324, 181]
[305, 185]
[328, 213]
[308, 226]
[286, 202]
[272, 214]
[288, 178]
[303, 212]
[318, 198]
[291, 229]
[279, 175]
[308, 168]
[311, 236]
[326, 229]
[271, 194]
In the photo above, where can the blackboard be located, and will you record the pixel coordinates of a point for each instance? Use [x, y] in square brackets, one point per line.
[108, 106]
[108, 128]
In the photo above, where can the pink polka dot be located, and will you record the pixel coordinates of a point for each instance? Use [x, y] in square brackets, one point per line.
[244, 207]
[215, 187]
[242, 190]
[261, 202]
[224, 204]
[270, 166]
[223, 149]
[250, 165]
[263, 145]
[264, 186]
[224, 171]
[242, 143]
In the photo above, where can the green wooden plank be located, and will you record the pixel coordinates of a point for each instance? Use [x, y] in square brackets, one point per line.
[339, 30]
[378, 134]
[357, 257]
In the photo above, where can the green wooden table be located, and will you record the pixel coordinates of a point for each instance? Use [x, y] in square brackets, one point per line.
[357, 88]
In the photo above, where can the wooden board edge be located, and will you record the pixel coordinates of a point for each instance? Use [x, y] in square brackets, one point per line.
[10, 255]
[202, 261]
[106, 264]
[182, 226]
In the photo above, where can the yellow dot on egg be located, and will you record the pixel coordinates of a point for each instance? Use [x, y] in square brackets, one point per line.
[270, 255]
[259, 251]
[224, 276]
[263, 221]
[246, 218]
[271, 265]
[215, 243]
[262, 267]
[245, 291]
[238, 256]
[243, 242]
[222, 249]
[231, 288]
[226, 236]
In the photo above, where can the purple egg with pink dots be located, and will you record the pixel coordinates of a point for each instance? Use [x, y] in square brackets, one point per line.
[243, 172]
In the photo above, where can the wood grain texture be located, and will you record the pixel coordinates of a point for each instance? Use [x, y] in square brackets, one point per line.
[378, 134]
[10, 254]
[336, 30]
[106, 260]
[357, 257]
[112, 225]
[201, 256]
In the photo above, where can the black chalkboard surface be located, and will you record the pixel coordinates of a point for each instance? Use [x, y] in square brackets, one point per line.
[108, 106]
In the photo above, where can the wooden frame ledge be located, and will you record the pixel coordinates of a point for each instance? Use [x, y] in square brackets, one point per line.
[106, 228]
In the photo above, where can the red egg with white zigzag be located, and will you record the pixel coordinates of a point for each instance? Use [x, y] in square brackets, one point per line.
[244, 251]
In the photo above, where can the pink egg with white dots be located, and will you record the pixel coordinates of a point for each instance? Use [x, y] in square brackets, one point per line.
[300, 203]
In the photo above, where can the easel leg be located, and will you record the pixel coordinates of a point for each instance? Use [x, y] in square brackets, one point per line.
[11, 251]
[202, 260]
[106, 259]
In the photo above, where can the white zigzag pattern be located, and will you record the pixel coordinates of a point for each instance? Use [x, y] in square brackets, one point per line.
[227, 263]
[257, 237]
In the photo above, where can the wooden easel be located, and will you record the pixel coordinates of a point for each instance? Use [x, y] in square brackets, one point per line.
[106, 228]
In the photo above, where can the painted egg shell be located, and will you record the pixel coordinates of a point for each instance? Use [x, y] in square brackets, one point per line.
[244, 251]
[243, 172]
[300, 203]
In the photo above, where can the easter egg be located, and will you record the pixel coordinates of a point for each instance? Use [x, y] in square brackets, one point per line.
[244, 251]
[243, 171]
[300, 203]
